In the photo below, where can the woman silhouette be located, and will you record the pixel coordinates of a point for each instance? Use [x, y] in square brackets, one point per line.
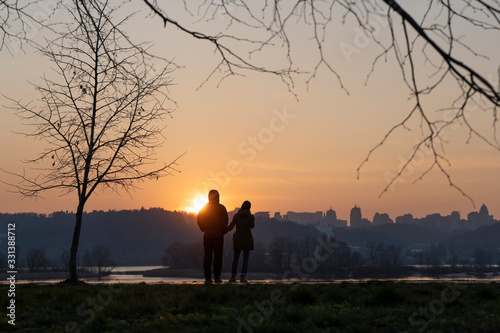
[242, 240]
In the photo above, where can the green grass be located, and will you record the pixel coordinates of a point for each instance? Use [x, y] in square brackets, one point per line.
[345, 307]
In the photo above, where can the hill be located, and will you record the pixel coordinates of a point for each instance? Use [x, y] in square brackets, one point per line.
[135, 237]
[140, 237]
[486, 237]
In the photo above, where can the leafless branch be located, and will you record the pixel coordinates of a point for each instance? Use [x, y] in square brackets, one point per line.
[21, 20]
[424, 36]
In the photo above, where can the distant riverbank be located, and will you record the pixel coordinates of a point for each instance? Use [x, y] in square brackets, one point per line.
[198, 273]
[160, 274]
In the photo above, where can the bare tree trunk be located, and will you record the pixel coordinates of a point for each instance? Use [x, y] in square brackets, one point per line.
[73, 273]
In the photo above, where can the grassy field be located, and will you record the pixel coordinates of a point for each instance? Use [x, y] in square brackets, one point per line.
[374, 306]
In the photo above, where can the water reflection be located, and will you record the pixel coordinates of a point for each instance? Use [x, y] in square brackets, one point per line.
[138, 278]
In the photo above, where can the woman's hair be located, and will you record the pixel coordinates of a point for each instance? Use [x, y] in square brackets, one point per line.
[246, 205]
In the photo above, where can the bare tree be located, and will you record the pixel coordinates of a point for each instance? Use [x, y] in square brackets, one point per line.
[433, 257]
[374, 251]
[424, 40]
[280, 251]
[182, 255]
[99, 260]
[36, 258]
[392, 255]
[173, 255]
[100, 116]
[482, 258]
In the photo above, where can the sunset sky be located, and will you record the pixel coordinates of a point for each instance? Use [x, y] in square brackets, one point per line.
[251, 139]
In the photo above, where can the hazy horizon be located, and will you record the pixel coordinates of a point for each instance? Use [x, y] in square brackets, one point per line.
[463, 215]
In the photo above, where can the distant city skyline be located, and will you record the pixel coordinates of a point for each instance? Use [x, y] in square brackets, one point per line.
[341, 216]
[356, 219]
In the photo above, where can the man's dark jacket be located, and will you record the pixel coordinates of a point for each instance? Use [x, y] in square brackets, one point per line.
[212, 219]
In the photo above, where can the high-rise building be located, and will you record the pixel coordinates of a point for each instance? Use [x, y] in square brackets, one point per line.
[480, 218]
[355, 220]
[483, 212]
[331, 215]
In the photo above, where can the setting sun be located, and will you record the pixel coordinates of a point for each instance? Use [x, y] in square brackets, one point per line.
[197, 204]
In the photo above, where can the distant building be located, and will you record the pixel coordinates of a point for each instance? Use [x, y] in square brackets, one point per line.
[364, 223]
[454, 221]
[451, 224]
[480, 218]
[277, 216]
[355, 218]
[379, 219]
[304, 218]
[340, 223]
[262, 215]
[405, 219]
[331, 215]
[432, 220]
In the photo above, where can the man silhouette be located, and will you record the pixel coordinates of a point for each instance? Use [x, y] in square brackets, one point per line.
[212, 220]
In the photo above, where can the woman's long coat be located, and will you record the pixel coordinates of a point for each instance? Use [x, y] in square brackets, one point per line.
[242, 238]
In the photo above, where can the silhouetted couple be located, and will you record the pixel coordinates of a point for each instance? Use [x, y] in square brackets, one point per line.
[213, 222]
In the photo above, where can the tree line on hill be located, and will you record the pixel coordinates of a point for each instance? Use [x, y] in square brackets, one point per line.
[158, 237]
[135, 237]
